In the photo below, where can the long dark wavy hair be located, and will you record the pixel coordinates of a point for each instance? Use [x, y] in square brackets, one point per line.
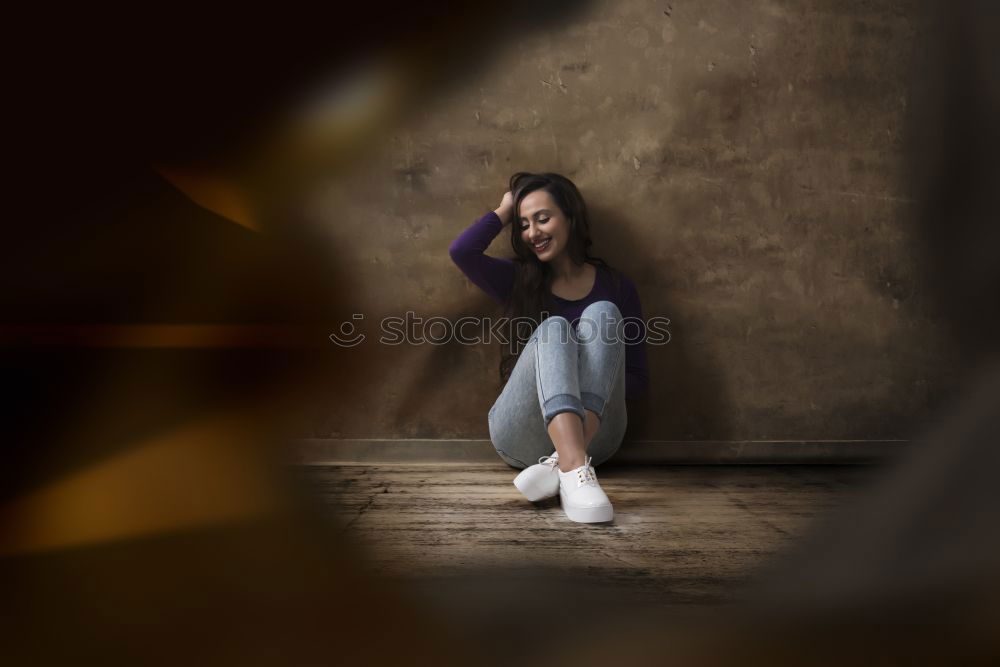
[531, 301]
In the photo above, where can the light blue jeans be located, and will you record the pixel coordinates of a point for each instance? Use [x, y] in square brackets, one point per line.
[563, 368]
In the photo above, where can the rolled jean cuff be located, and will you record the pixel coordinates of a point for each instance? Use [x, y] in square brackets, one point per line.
[562, 403]
[593, 402]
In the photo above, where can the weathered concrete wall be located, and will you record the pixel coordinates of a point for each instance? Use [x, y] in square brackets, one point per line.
[743, 164]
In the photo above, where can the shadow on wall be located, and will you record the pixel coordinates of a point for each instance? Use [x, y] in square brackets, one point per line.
[687, 398]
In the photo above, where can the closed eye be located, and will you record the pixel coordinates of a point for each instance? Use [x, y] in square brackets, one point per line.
[541, 222]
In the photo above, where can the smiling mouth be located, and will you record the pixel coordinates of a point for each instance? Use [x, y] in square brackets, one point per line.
[539, 247]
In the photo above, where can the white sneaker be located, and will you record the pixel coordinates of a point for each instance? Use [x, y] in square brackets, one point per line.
[583, 499]
[539, 481]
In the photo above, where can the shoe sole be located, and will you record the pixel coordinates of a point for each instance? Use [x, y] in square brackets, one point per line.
[589, 514]
[532, 494]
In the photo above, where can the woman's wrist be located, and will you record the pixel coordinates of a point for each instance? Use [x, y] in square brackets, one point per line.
[504, 213]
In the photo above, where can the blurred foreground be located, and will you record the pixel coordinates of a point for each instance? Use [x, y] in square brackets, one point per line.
[165, 320]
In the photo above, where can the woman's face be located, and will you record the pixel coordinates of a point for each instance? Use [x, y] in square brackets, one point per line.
[544, 228]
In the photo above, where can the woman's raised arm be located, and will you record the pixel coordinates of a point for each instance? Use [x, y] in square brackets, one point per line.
[493, 275]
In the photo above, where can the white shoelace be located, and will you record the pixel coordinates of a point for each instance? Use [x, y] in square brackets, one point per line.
[586, 475]
[550, 461]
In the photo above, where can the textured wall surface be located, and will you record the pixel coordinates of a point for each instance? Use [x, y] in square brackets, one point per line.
[743, 163]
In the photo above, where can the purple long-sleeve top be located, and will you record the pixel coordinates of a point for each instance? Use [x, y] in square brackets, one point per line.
[495, 276]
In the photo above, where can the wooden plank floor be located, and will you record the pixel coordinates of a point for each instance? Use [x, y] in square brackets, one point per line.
[682, 535]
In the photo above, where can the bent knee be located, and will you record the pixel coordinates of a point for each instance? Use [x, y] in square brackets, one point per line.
[602, 306]
[554, 328]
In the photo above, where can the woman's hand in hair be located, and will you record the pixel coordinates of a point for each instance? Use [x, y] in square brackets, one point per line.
[506, 209]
